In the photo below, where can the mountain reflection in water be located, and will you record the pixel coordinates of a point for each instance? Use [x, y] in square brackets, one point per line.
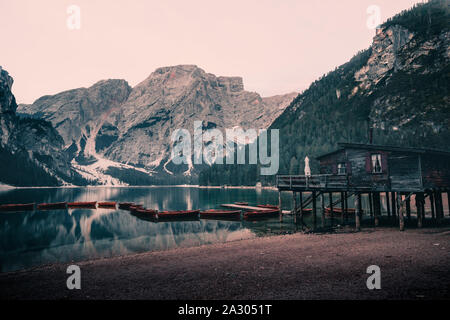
[34, 238]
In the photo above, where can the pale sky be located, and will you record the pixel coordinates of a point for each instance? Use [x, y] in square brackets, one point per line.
[276, 46]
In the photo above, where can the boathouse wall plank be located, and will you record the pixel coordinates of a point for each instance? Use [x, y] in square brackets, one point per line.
[404, 171]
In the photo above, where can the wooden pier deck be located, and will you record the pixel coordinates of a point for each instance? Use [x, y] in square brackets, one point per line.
[403, 174]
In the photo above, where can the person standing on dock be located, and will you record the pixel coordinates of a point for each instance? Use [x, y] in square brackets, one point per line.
[307, 167]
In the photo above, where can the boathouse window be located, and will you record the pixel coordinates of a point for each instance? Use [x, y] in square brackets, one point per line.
[342, 168]
[376, 163]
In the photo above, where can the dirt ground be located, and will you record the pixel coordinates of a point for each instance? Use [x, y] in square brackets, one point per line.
[415, 264]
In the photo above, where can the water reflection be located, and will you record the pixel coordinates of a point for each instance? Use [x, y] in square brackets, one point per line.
[35, 238]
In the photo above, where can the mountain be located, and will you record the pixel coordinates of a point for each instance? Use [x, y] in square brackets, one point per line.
[116, 134]
[30, 149]
[398, 89]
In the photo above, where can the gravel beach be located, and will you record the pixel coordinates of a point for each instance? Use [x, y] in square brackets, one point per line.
[415, 264]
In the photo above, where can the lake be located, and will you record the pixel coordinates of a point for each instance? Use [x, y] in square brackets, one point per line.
[30, 239]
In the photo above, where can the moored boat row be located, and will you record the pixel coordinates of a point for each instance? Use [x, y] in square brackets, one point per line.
[251, 213]
[266, 212]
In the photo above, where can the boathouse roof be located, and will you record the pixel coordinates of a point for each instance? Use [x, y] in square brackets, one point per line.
[343, 146]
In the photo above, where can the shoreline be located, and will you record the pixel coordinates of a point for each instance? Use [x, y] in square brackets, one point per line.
[296, 266]
[149, 186]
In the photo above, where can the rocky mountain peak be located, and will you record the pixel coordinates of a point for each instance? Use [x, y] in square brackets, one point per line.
[7, 100]
[30, 149]
[184, 76]
[385, 48]
[110, 125]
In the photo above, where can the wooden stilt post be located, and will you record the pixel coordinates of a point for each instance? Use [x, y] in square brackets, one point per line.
[401, 212]
[346, 206]
[388, 205]
[330, 196]
[432, 206]
[314, 209]
[358, 212]
[294, 206]
[448, 202]
[279, 206]
[322, 208]
[301, 207]
[419, 207]
[423, 210]
[342, 208]
[370, 205]
[394, 205]
[439, 207]
[377, 208]
[408, 208]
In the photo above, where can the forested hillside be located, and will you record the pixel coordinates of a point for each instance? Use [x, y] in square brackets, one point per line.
[398, 88]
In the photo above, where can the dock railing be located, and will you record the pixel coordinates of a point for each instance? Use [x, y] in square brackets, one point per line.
[330, 181]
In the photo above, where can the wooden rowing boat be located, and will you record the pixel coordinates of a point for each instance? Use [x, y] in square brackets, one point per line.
[178, 215]
[17, 207]
[220, 214]
[307, 211]
[267, 206]
[148, 212]
[107, 205]
[241, 203]
[87, 205]
[135, 207]
[52, 206]
[125, 205]
[256, 215]
[145, 214]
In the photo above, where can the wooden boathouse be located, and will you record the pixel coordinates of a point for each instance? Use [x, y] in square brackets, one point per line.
[400, 174]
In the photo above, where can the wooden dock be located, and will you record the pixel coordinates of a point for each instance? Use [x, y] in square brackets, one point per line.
[353, 170]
